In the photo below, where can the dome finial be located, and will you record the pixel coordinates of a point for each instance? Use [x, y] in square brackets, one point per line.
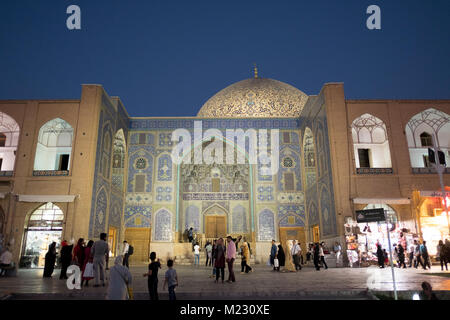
[255, 69]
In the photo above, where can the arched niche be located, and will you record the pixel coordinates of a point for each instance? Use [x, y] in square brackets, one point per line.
[370, 142]
[54, 146]
[9, 140]
[420, 131]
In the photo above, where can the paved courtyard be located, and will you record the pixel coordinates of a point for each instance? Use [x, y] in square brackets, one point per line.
[195, 284]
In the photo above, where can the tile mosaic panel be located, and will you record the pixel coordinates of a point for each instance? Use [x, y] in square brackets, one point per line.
[165, 167]
[239, 219]
[192, 218]
[138, 216]
[266, 230]
[285, 211]
[163, 226]
[265, 193]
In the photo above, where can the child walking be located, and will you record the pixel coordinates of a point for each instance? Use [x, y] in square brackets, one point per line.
[171, 280]
[152, 275]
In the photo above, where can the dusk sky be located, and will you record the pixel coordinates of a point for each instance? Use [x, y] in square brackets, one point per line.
[166, 58]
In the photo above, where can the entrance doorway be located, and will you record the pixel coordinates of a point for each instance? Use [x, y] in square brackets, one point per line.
[293, 233]
[216, 226]
[316, 233]
[44, 227]
[139, 238]
[112, 240]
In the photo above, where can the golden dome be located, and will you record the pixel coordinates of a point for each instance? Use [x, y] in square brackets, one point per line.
[255, 98]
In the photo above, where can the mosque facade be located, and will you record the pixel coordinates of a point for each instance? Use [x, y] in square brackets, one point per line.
[76, 168]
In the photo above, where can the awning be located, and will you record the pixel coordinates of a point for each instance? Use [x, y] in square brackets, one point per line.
[382, 200]
[46, 198]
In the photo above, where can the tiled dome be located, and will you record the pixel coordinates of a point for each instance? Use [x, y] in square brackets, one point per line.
[255, 98]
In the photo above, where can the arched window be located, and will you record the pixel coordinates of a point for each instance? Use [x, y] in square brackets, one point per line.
[44, 227]
[420, 130]
[426, 140]
[54, 146]
[9, 139]
[370, 144]
[2, 140]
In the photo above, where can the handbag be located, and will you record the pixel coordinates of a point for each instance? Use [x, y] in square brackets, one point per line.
[130, 293]
[276, 264]
[89, 270]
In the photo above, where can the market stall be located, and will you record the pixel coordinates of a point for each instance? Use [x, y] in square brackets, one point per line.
[362, 240]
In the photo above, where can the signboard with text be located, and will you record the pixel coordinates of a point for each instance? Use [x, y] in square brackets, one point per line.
[370, 215]
[434, 194]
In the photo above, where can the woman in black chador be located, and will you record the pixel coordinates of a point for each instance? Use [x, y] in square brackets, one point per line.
[280, 256]
[66, 259]
[50, 259]
[380, 256]
[316, 256]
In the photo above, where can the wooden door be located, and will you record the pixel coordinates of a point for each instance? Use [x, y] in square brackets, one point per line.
[210, 227]
[316, 234]
[112, 240]
[139, 238]
[216, 226]
[294, 233]
[221, 227]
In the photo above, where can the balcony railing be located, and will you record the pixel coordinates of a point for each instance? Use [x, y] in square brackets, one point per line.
[374, 171]
[6, 173]
[50, 173]
[428, 170]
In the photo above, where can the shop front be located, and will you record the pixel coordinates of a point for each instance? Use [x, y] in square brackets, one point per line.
[44, 227]
[433, 219]
[362, 238]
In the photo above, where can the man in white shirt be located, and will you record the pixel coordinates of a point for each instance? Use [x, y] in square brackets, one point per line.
[5, 261]
[337, 251]
[126, 247]
[196, 254]
[322, 255]
[296, 251]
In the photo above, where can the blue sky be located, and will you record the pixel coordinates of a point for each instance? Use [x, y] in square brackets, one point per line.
[166, 58]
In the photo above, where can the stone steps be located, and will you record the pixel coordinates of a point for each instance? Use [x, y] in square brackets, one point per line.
[189, 260]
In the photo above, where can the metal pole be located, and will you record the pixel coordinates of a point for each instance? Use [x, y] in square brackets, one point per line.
[441, 180]
[440, 171]
[390, 253]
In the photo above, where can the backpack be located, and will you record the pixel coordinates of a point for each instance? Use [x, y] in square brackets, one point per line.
[130, 250]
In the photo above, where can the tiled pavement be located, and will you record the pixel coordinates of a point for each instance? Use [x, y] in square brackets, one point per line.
[195, 283]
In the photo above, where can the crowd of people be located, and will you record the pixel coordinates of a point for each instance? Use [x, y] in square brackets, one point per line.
[92, 259]
[417, 255]
[289, 258]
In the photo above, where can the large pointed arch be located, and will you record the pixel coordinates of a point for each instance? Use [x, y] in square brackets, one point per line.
[9, 140]
[430, 123]
[54, 146]
[370, 143]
